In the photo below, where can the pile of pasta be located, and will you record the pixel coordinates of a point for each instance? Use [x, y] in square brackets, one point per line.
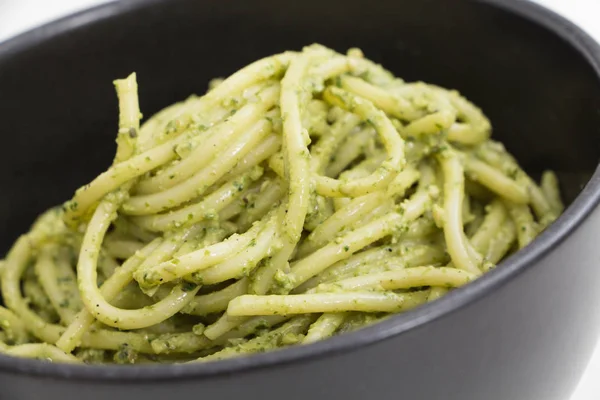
[306, 195]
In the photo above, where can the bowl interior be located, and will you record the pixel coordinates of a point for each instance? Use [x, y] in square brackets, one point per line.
[59, 110]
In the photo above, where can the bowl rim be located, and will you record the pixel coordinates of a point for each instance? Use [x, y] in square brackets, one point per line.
[573, 216]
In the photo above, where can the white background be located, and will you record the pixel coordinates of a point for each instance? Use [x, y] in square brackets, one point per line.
[19, 15]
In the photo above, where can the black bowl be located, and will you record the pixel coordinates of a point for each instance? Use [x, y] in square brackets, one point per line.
[524, 331]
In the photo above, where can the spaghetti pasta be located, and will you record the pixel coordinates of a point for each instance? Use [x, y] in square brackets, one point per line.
[306, 195]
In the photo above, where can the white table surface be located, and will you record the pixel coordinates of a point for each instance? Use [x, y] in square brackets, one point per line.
[19, 15]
